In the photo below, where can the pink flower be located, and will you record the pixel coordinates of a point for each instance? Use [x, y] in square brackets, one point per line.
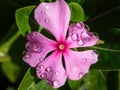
[55, 17]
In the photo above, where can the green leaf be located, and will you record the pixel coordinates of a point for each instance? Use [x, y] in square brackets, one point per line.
[95, 80]
[74, 85]
[46, 0]
[25, 20]
[4, 57]
[31, 82]
[77, 13]
[109, 56]
[106, 25]
[11, 70]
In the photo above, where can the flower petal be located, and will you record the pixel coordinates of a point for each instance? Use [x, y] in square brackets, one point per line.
[78, 63]
[37, 47]
[52, 70]
[55, 17]
[80, 37]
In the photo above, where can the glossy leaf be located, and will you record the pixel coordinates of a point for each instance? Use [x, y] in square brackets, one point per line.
[25, 20]
[95, 80]
[77, 13]
[75, 85]
[109, 55]
[107, 26]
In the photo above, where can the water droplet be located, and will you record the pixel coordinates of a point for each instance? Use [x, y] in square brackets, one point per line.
[74, 37]
[87, 27]
[37, 48]
[56, 73]
[80, 75]
[80, 25]
[27, 47]
[49, 69]
[48, 39]
[85, 36]
[47, 7]
[38, 71]
[34, 33]
[41, 59]
[55, 83]
[42, 12]
[80, 43]
[41, 67]
[84, 60]
[87, 39]
[46, 20]
[44, 75]
[27, 56]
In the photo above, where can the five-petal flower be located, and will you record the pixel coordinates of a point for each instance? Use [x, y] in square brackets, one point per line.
[55, 17]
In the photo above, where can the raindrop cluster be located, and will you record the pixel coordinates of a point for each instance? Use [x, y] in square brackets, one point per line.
[46, 72]
[78, 33]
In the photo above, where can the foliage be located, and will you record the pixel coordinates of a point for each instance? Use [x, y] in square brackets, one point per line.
[101, 17]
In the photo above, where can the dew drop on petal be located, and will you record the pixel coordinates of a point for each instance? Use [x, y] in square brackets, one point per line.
[80, 25]
[56, 73]
[27, 47]
[80, 75]
[41, 67]
[42, 12]
[55, 83]
[41, 59]
[37, 48]
[84, 60]
[27, 56]
[34, 34]
[87, 27]
[39, 71]
[44, 75]
[46, 20]
[49, 69]
[74, 37]
[87, 39]
[47, 7]
[80, 43]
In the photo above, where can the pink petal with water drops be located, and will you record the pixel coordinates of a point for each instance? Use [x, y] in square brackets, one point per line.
[37, 48]
[54, 17]
[78, 63]
[79, 36]
[52, 70]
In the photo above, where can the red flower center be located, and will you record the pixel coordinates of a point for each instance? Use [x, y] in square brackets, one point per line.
[61, 46]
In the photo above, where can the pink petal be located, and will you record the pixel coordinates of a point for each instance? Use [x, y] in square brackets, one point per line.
[52, 70]
[80, 37]
[37, 48]
[78, 63]
[54, 17]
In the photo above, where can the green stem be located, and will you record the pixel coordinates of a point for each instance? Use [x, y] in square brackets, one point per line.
[105, 49]
[107, 12]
